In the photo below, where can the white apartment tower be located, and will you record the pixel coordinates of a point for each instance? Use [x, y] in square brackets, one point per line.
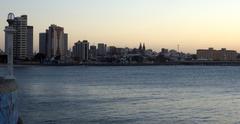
[54, 42]
[22, 39]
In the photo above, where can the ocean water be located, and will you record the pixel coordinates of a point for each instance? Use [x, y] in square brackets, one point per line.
[129, 95]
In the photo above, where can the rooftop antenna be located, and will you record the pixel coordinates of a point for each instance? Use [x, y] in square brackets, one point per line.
[178, 48]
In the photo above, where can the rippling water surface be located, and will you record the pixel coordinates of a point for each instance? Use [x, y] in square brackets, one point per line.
[129, 95]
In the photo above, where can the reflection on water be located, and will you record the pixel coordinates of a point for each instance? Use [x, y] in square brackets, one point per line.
[129, 95]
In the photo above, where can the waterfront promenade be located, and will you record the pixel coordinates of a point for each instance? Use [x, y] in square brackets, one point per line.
[8, 101]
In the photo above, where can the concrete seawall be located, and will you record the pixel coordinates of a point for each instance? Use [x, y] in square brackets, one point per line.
[8, 102]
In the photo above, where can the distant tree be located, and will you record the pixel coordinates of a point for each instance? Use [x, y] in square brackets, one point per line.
[26, 59]
[151, 58]
[238, 56]
[3, 59]
[161, 58]
[40, 57]
[111, 59]
[138, 59]
[57, 58]
[194, 57]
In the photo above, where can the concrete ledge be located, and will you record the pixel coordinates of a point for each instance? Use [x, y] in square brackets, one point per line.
[8, 101]
[7, 86]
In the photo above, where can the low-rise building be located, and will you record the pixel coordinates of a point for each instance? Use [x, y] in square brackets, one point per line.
[217, 55]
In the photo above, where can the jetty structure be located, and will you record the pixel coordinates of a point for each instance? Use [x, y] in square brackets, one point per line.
[8, 87]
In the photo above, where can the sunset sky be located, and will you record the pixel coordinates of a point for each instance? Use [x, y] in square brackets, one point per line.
[159, 23]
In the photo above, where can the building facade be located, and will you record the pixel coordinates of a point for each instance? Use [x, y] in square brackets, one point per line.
[23, 38]
[93, 52]
[53, 43]
[30, 41]
[217, 55]
[42, 43]
[102, 49]
[112, 50]
[81, 51]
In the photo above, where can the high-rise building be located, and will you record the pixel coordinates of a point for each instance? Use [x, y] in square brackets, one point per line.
[93, 52]
[30, 41]
[65, 44]
[112, 50]
[53, 43]
[42, 43]
[23, 38]
[80, 51]
[102, 49]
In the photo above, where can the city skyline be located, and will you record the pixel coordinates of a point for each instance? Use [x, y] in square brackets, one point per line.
[193, 24]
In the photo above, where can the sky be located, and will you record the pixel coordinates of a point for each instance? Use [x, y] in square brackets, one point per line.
[193, 24]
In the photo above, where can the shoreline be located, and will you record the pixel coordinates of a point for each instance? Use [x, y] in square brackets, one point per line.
[185, 63]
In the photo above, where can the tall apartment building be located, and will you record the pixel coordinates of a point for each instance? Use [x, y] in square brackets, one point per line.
[23, 38]
[217, 55]
[93, 52]
[102, 49]
[30, 41]
[112, 50]
[54, 42]
[81, 51]
[43, 43]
